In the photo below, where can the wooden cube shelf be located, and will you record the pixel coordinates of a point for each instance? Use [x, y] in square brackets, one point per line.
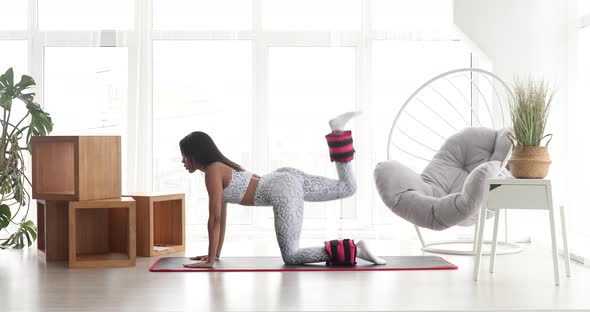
[102, 233]
[76, 167]
[52, 227]
[160, 223]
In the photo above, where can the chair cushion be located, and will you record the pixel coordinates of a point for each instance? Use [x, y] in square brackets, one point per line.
[450, 189]
[460, 154]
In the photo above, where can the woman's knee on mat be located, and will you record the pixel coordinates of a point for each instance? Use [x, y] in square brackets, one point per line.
[289, 257]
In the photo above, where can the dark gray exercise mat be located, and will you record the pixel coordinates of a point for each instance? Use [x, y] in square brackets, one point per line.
[275, 264]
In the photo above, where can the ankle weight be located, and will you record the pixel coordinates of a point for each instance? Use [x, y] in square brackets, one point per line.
[341, 252]
[341, 149]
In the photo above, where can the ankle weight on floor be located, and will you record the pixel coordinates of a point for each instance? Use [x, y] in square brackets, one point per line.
[341, 252]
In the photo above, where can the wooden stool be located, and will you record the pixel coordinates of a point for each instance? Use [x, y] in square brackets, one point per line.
[160, 223]
[102, 233]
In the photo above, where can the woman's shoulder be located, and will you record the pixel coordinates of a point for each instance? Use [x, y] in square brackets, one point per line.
[217, 167]
[221, 168]
[218, 171]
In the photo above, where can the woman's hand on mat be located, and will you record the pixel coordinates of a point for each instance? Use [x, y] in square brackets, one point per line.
[202, 258]
[202, 265]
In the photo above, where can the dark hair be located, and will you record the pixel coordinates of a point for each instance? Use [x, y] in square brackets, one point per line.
[198, 147]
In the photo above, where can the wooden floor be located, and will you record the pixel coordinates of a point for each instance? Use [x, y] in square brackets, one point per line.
[521, 281]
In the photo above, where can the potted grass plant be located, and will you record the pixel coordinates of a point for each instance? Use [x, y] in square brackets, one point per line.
[529, 113]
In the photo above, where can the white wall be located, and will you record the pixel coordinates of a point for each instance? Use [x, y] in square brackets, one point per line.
[522, 38]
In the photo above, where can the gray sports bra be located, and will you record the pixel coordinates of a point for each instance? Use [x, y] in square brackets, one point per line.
[235, 190]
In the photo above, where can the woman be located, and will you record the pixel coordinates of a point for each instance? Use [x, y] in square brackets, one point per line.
[284, 189]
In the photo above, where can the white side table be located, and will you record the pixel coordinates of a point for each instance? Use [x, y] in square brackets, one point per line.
[513, 193]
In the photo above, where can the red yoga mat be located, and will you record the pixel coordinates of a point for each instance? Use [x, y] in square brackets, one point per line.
[275, 264]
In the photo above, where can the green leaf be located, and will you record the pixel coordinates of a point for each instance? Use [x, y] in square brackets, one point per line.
[7, 79]
[28, 236]
[5, 187]
[19, 191]
[30, 231]
[4, 216]
[41, 123]
[27, 97]
[10, 77]
[31, 228]
[6, 101]
[25, 82]
[27, 231]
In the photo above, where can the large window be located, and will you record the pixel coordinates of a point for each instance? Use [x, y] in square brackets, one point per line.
[412, 16]
[201, 86]
[79, 15]
[13, 15]
[14, 53]
[310, 15]
[262, 77]
[308, 61]
[218, 15]
[86, 89]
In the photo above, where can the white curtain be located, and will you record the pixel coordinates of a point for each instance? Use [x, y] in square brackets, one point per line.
[139, 127]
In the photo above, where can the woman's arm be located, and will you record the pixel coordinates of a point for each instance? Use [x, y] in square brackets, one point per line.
[222, 228]
[214, 185]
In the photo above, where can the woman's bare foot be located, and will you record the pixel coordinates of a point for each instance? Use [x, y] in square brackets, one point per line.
[363, 252]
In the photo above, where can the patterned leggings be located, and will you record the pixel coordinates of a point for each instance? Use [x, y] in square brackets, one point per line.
[285, 190]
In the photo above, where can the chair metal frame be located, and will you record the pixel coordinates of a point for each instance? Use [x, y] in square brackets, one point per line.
[509, 247]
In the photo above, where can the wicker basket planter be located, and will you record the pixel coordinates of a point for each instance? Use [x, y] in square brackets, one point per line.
[529, 162]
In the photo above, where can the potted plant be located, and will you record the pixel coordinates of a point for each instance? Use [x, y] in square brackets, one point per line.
[529, 112]
[15, 139]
